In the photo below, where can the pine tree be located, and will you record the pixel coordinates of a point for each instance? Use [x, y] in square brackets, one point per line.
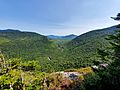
[111, 77]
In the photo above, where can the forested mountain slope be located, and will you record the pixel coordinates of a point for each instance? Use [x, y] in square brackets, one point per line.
[30, 46]
[20, 44]
[82, 49]
[54, 55]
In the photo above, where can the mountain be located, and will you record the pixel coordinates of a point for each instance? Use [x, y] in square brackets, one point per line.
[71, 36]
[67, 37]
[30, 46]
[54, 54]
[16, 43]
[54, 37]
[82, 49]
[51, 54]
[96, 34]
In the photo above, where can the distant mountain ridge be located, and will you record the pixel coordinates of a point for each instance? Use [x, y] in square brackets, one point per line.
[71, 36]
[9, 30]
[94, 33]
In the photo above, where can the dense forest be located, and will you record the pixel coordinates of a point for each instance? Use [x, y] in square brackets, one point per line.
[108, 79]
[30, 61]
[54, 54]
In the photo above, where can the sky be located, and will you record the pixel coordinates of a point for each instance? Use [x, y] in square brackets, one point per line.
[58, 17]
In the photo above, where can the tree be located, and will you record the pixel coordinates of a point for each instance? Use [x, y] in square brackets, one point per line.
[102, 54]
[108, 79]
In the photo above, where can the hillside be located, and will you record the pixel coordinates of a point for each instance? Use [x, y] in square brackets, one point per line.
[30, 46]
[16, 42]
[82, 49]
[31, 54]
[54, 54]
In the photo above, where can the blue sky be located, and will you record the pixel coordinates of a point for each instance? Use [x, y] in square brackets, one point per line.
[58, 17]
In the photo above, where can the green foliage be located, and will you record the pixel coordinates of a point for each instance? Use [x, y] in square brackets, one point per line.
[33, 46]
[30, 66]
[102, 54]
[38, 54]
[110, 78]
[19, 75]
[54, 55]
[92, 82]
[82, 50]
